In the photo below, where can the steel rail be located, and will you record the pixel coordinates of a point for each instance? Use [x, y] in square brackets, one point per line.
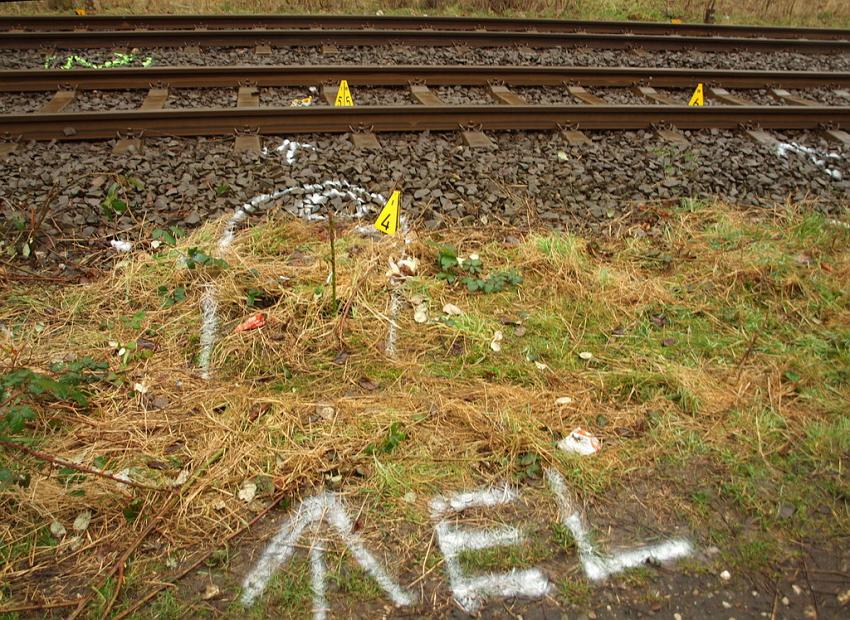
[401, 75]
[391, 22]
[435, 38]
[227, 121]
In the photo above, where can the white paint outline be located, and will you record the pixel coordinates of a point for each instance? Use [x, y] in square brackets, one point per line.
[471, 592]
[597, 565]
[307, 207]
[312, 512]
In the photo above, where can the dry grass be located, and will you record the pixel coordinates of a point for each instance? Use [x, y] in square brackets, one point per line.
[467, 413]
[825, 13]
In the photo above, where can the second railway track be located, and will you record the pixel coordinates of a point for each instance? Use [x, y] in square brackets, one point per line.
[82, 39]
[48, 23]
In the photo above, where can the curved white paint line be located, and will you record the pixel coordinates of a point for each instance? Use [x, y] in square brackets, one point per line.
[312, 197]
[597, 565]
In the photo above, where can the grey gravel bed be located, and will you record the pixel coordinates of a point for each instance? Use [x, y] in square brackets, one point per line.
[381, 96]
[586, 188]
[95, 100]
[388, 55]
[544, 95]
[620, 96]
[22, 103]
[459, 95]
[201, 98]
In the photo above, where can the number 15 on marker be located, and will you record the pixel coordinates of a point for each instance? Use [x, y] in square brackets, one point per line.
[388, 218]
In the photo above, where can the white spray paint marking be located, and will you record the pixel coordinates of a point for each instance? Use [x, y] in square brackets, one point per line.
[313, 512]
[395, 295]
[392, 330]
[289, 149]
[310, 198]
[317, 575]
[209, 323]
[598, 566]
[818, 158]
[472, 591]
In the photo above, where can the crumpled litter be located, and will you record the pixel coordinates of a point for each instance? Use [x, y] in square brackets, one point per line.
[121, 246]
[301, 102]
[255, 321]
[404, 268]
[581, 442]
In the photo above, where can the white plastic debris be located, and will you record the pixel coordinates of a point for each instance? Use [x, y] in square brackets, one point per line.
[81, 523]
[141, 388]
[452, 310]
[325, 411]
[726, 575]
[247, 492]
[58, 530]
[420, 314]
[404, 268]
[564, 400]
[496, 342]
[121, 246]
[181, 478]
[586, 355]
[581, 442]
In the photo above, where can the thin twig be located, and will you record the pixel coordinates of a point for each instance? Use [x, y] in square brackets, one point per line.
[60, 462]
[37, 606]
[745, 356]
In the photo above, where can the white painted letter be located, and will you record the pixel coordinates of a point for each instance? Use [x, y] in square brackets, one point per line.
[470, 592]
[598, 566]
[312, 513]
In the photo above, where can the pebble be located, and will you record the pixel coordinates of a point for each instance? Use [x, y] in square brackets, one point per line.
[726, 575]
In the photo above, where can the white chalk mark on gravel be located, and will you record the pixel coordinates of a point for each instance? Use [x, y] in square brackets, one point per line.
[289, 149]
[473, 591]
[818, 158]
[312, 512]
[598, 566]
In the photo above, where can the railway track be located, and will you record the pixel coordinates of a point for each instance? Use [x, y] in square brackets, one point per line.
[403, 75]
[45, 23]
[228, 121]
[80, 39]
[508, 110]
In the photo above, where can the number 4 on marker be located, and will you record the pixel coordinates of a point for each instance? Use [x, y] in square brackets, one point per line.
[388, 218]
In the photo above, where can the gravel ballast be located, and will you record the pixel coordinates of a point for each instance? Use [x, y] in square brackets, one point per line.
[532, 177]
[389, 55]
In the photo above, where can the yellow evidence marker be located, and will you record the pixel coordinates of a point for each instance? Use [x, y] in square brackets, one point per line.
[388, 218]
[697, 98]
[343, 95]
